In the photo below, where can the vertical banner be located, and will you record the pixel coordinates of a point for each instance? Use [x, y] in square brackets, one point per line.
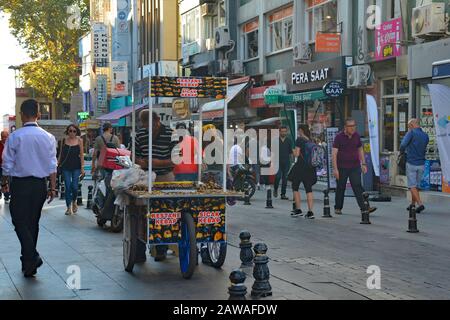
[100, 44]
[372, 114]
[102, 94]
[387, 37]
[119, 78]
[331, 134]
[440, 96]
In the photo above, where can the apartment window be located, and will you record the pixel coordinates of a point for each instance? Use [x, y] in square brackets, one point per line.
[46, 111]
[250, 40]
[280, 29]
[191, 26]
[222, 14]
[321, 16]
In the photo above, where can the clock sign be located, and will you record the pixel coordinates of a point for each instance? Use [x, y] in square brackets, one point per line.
[334, 89]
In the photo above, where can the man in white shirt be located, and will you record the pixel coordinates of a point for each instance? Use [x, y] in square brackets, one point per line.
[235, 158]
[29, 159]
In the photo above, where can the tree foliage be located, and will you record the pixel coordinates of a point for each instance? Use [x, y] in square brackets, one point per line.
[45, 29]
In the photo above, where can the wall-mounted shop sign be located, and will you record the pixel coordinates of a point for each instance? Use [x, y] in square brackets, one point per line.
[334, 89]
[314, 76]
[83, 116]
[387, 39]
[189, 87]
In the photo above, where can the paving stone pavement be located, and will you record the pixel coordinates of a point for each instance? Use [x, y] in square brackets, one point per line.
[319, 259]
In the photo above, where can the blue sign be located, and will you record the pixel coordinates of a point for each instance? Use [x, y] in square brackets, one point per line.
[441, 71]
[334, 89]
[122, 15]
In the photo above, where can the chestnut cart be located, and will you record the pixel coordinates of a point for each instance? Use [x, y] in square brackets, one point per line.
[183, 220]
[186, 218]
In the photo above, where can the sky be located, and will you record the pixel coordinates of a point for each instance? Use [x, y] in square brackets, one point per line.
[11, 54]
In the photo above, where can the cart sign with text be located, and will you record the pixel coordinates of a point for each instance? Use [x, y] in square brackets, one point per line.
[387, 40]
[189, 87]
[328, 42]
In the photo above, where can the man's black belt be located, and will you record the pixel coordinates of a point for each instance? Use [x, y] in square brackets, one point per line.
[28, 178]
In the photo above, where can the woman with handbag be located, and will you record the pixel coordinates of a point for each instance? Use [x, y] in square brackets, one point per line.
[71, 163]
[302, 172]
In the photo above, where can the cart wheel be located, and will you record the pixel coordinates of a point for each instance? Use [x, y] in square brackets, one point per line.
[217, 252]
[117, 220]
[129, 242]
[187, 246]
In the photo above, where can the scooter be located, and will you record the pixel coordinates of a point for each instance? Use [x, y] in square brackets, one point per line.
[243, 180]
[104, 197]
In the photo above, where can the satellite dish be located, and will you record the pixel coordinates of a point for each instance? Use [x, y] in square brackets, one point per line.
[419, 21]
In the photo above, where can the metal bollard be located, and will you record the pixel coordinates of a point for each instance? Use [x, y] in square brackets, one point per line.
[247, 199]
[261, 287]
[246, 254]
[269, 204]
[238, 290]
[326, 204]
[412, 221]
[89, 198]
[79, 196]
[365, 219]
[63, 189]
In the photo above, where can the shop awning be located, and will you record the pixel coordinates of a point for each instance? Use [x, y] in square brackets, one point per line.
[266, 122]
[120, 113]
[275, 96]
[214, 109]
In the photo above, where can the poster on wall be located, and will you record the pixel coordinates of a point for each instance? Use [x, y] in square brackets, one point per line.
[331, 134]
[119, 78]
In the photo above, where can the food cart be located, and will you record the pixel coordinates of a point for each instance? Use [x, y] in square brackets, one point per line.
[180, 214]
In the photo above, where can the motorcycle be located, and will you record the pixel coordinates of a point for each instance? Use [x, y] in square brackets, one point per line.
[104, 197]
[243, 180]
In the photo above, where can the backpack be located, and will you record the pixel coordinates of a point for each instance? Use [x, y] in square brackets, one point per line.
[314, 155]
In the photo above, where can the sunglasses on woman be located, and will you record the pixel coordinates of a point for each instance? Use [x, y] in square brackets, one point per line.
[74, 131]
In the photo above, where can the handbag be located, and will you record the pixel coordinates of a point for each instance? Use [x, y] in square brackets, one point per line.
[401, 160]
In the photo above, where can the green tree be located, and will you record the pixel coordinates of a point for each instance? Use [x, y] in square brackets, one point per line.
[49, 30]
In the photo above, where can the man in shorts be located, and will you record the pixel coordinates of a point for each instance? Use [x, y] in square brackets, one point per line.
[415, 144]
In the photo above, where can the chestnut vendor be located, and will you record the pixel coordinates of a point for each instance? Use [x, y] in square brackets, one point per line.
[162, 163]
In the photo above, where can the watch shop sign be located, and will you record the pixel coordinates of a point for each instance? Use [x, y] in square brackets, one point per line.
[314, 76]
[334, 89]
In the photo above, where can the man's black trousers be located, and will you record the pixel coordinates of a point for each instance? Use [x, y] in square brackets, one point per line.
[27, 199]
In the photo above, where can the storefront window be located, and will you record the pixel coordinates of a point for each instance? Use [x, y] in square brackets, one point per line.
[321, 16]
[250, 40]
[403, 86]
[389, 87]
[280, 28]
[403, 118]
[388, 125]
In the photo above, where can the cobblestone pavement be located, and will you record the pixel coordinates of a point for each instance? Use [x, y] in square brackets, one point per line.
[318, 259]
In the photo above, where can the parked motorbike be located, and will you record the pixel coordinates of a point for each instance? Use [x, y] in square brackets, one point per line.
[243, 180]
[104, 197]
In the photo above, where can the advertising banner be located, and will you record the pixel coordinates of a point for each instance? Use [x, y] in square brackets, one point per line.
[440, 96]
[189, 87]
[372, 114]
[102, 94]
[100, 44]
[119, 78]
[387, 39]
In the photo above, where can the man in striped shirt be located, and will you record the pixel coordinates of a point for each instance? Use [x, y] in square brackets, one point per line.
[162, 147]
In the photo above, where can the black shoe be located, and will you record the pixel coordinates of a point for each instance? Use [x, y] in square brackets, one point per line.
[372, 209]
[338, 212]
[420, 209]
[32, 269]
[297, 213]
[275, 193]
[283, 197]
[310, 215]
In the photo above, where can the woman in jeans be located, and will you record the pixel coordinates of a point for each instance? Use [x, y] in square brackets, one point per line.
[71, 162]
[304, 173]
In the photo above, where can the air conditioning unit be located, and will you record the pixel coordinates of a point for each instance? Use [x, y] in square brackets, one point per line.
[358, 76]
[237, 67]
[210, 44]
[218, 67]
[302, 52]
[280, 77]
[429, 20]
[222, 37]
[208, 9]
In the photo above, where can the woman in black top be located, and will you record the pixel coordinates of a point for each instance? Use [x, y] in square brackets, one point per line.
[303, 173]
[71, 162]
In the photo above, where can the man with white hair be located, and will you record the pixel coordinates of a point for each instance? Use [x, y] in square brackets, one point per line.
[415, 144]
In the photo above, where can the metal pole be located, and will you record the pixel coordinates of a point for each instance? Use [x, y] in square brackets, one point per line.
[150, 133]
[200, 144]
[225, 141]
[133, 76]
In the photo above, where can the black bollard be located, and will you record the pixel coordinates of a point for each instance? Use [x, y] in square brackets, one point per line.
[261, 287]
[89, 198]
[247, 199]
[412, 221]
[246, 254]
[269, 204]
[238, 290]
[79, 196]
[63, 189]
[365, 219]
[326, 204]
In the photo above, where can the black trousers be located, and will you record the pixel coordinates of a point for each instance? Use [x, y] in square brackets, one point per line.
[282, 175]
[355, 180]
[27, 199]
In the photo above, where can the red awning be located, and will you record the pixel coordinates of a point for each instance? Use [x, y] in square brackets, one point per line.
[257, 97]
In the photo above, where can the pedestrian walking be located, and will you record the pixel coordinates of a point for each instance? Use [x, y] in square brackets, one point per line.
[349, 162]
[415, 145]
[71, 163]
[29, 159]
[285, 155]
[4, 137]
[101, 141]
[303, 172]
